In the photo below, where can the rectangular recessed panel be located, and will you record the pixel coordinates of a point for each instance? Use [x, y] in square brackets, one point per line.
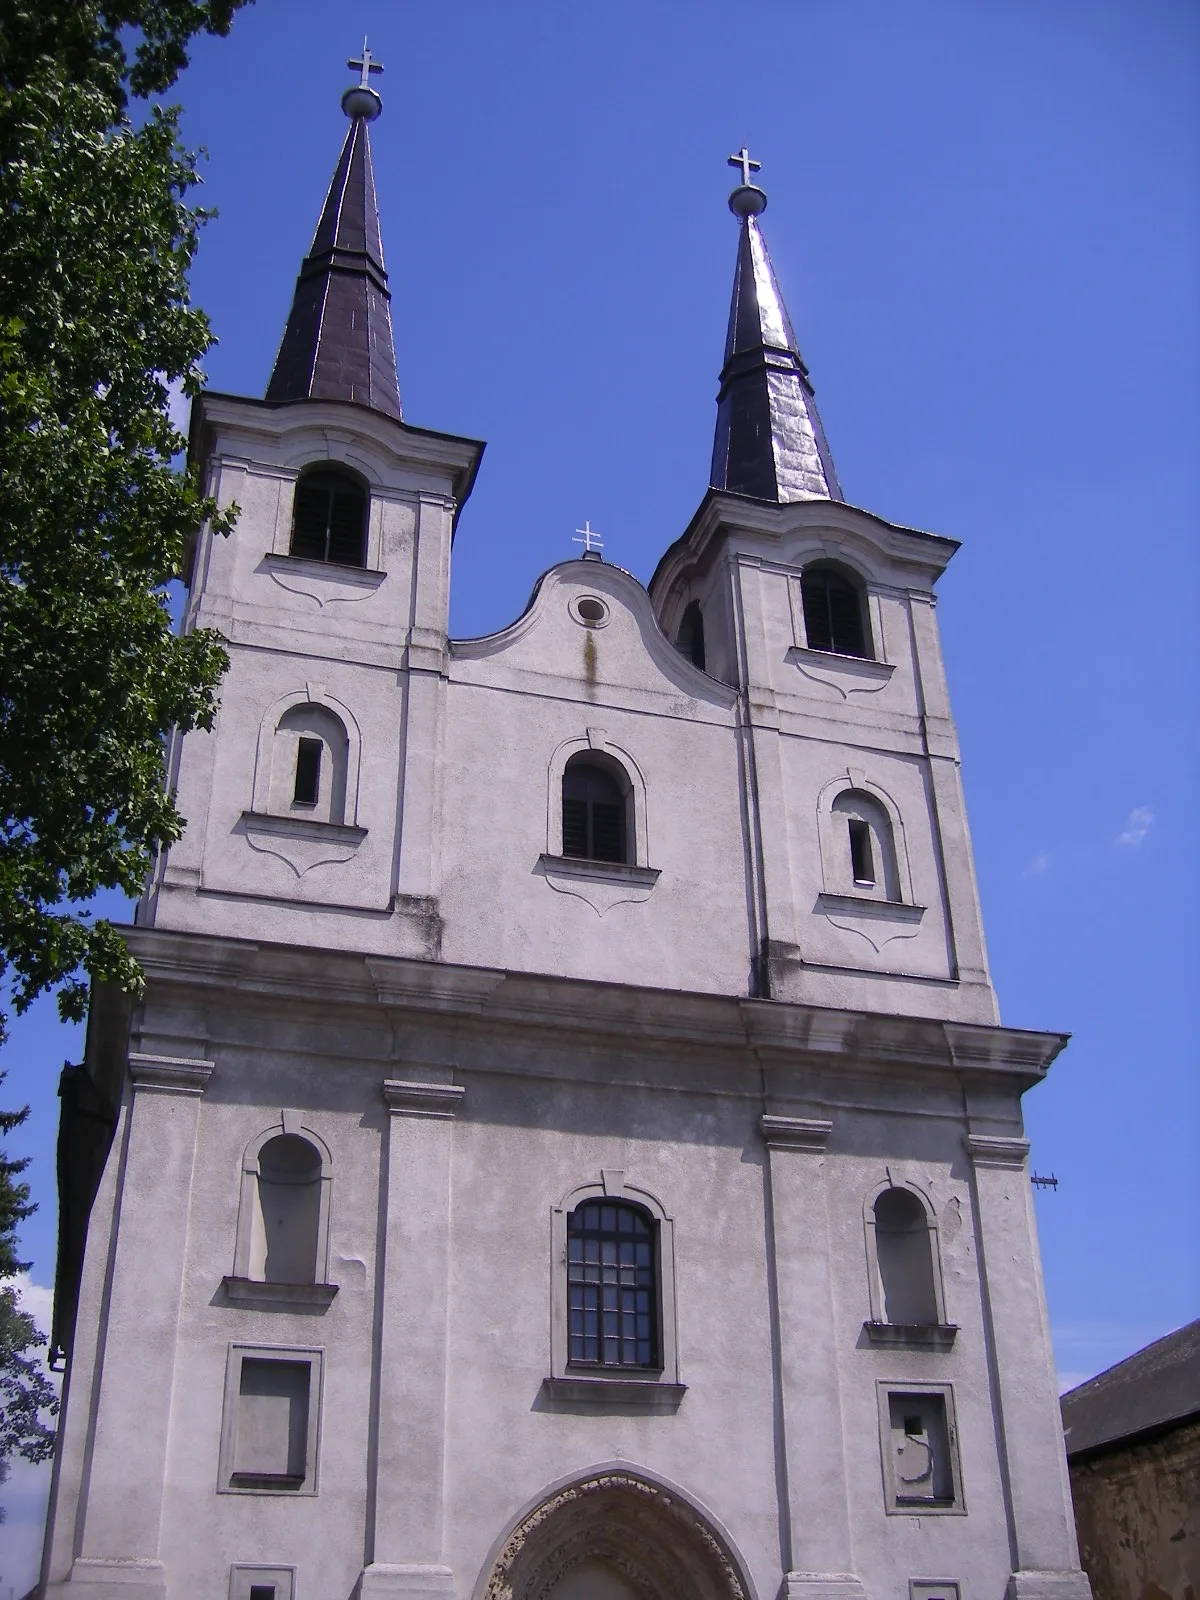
[272, 1421]
[920, 1450]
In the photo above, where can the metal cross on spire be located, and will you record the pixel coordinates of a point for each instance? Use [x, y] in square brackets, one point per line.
[590, 540]
[369, 65]
[742, 159]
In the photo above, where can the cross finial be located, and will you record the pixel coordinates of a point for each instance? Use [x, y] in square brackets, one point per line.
[368, 64]
[742, 159]
[589, 539]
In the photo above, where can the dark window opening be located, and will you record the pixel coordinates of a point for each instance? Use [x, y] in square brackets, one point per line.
[832, 613]
[612, 1295]
[690, 641]
[594, 813]
[329, 522]
[308, 772]
[262, 1591]
[862, 863]
[904, 1249]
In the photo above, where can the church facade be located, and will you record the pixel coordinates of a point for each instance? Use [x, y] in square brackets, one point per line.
[567, 1147]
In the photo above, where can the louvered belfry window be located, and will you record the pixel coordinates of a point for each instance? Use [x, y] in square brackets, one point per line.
[329, 522]
[594, 813]
[612, 1295]
[833, 617]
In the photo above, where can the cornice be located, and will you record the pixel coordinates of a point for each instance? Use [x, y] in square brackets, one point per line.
[993, 1150]
[170, 1074]
[405, 1099]
[776, 1034]
[795, 1133]
[721, 511]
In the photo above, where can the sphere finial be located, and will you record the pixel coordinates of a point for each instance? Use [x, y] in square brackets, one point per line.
[360, 100]
[747, 200]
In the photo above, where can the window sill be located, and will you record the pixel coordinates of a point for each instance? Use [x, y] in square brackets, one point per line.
[891, 910]
[599, 871]
[289, 827]
[343, 572]
[650, 1394]
[912, 1335]
[846, 675]
[282, 1296]
[270, 1482]
[601, 884]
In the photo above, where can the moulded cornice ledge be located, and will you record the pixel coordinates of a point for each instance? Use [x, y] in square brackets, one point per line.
[422, 1099]
[997, 1150]
[795, 1133]
[170, 1074]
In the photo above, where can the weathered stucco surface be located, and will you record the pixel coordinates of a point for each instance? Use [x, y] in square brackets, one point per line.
[472, 1029]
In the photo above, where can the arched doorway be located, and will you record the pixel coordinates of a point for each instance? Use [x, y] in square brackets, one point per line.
[615, 1535]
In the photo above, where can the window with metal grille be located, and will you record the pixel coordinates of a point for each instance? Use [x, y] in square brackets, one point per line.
[612, 1289]
[308, 772]
[329, 518]
[594, 814]
[833, 616]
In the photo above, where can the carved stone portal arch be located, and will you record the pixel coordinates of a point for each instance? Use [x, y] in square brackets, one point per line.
[652, 1539]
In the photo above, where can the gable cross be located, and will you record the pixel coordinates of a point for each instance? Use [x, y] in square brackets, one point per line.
[590, 539]
[368, 64]
[742, 159]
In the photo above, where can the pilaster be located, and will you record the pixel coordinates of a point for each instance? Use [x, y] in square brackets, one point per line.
[406, 1477]
[816, 1540]
[128, 1469]
[1033, 1458]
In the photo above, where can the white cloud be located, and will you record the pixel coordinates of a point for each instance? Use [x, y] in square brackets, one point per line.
[1035, 867]
[27, 1491]
[1136, 827]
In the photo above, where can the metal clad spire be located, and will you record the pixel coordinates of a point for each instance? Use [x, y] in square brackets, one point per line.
[338, 341]
[769, 441]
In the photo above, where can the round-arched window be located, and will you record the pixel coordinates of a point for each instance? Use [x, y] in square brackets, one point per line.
[329, 518]
[595, 810]
[833, 612]
[612, 1292]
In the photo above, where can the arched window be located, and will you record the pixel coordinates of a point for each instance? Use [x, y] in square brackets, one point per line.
[690, 640]
[309, 763]
[285, 1221]
[329, 518]
[612, 1292]
[904, 1252]
[833, 612]
[595, 809]
[867, 849]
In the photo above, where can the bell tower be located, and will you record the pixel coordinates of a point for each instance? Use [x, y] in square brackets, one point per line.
[315, 795]
[822, 616]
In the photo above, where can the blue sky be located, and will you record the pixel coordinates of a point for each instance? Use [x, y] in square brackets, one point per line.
[985, 221]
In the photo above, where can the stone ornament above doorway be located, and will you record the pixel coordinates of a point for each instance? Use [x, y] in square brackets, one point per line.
[650, 1537]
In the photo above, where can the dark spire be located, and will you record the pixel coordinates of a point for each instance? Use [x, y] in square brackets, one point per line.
[338, 341]
[769, 444]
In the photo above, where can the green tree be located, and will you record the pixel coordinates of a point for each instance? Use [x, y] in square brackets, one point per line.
[96, 238]
[26, 1394]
